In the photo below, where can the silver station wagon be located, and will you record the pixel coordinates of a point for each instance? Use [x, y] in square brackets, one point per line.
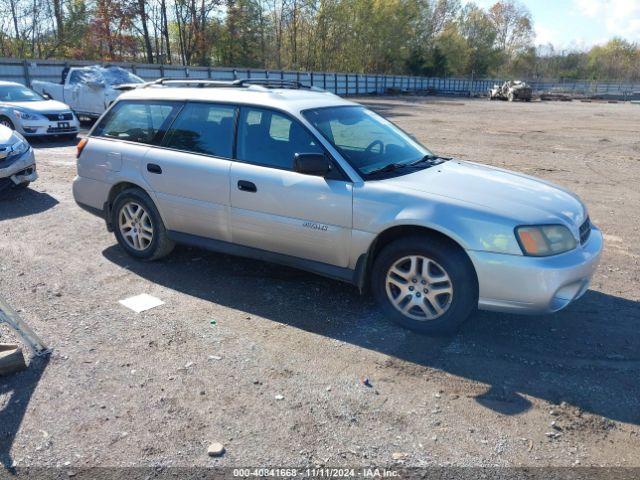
[280, 172]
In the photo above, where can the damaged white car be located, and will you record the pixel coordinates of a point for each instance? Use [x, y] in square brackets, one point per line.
[89, 90]
[17, 161]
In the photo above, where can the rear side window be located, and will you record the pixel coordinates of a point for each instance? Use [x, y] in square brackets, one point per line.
[268, 138]
[141, 122]
[203, 128]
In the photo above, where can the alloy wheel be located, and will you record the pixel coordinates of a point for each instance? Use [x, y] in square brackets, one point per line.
[135, 226]
[419, 288]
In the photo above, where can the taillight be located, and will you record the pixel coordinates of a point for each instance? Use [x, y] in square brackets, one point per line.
[81, 144]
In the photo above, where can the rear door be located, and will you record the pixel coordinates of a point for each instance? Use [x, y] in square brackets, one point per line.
[122, 138]
[189, 171]
[276, 209]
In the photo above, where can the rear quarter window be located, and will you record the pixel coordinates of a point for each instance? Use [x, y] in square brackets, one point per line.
[140, 122]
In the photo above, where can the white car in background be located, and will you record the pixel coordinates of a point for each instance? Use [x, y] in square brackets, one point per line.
[17, 162]
[89, 90]
[31, 114]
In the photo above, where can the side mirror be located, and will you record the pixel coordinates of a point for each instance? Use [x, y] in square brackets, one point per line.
[46, 96]
[311, 164]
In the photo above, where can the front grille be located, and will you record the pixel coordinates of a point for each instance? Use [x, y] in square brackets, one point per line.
[585, 231]
[59, 117]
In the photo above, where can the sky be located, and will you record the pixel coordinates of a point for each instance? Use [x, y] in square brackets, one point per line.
[580, 24]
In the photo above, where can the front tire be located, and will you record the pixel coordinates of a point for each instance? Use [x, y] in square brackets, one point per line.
[4, 121]
[425, 284]
[138, 226]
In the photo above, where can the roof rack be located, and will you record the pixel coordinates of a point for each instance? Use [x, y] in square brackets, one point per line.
[240, 83]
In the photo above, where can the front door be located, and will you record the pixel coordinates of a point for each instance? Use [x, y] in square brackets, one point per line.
[276, 209]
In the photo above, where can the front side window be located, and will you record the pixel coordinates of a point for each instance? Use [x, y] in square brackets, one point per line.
[140, 122]
[271, 139]
[365, 139]
[203, 128]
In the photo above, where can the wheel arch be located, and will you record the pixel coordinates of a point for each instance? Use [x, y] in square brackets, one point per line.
[389, 235]
[8, 118]
[115, 190]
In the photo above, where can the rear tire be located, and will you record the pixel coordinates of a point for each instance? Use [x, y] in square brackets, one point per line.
[138, 226]
[442, 285]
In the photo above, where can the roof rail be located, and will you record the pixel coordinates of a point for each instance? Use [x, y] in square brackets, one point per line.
[272, 83]
[190, 81]
[240, 83]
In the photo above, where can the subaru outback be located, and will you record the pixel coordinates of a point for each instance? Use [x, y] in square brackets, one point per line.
[287, 174]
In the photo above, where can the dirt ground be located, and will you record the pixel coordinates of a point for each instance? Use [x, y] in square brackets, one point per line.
[267, 360]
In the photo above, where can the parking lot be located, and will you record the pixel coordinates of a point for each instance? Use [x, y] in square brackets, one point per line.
[269, 361]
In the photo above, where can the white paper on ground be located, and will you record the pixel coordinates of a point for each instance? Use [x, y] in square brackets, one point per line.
[142, 302]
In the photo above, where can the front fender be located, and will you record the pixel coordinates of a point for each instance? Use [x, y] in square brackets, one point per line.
[472, 226]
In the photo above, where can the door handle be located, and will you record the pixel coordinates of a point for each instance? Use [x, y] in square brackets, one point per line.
[153, 168]
[246, 186]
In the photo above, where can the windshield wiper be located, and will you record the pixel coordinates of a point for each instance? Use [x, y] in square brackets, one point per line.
[434, 159]
[388, 168]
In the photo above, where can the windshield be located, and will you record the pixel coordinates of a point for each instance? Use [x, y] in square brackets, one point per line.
[18, 93]
[103, 76]
[365, 139]
[118, 76]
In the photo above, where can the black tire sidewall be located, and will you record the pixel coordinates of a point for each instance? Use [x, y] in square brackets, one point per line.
[11, 125]
[459, 268]
[158, 227]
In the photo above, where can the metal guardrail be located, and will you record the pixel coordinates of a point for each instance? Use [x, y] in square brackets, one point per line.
[24, 71]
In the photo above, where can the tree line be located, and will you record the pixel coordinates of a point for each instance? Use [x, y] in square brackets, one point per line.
[415, 37]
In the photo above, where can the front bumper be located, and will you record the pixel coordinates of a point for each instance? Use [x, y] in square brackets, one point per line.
[21, 170]
[35, 128]
[533, 285]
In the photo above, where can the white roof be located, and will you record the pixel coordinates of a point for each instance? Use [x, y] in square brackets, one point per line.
[2, 82]
[290, 100]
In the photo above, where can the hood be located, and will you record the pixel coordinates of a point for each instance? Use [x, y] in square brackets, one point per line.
[41, 106]
[525, 199]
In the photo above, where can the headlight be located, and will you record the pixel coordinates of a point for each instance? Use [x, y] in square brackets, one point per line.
[27, 115]
[15, 149]
[545, 240]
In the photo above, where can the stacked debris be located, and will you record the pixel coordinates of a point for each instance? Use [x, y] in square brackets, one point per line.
[511, 90]
[11, 357]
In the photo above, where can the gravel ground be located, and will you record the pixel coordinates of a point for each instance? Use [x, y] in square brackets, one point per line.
[268, 360]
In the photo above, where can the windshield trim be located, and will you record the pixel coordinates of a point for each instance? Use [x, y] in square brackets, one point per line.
[364, 175]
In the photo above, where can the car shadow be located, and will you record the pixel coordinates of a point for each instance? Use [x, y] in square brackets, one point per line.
[53, 142]
[18, 389]
[16, 203]
[586, 355]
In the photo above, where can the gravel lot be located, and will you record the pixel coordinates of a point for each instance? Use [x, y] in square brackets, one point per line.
[276, 376]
